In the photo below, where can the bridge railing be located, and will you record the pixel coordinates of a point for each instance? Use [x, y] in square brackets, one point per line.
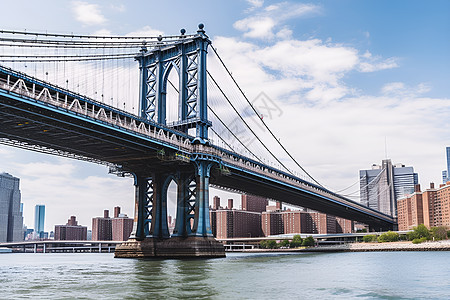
[23, 85]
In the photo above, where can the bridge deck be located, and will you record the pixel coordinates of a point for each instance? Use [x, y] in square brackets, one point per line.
[41, 117]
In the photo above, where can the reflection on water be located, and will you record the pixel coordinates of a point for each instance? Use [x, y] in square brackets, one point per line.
[371, 275]
[173, 278]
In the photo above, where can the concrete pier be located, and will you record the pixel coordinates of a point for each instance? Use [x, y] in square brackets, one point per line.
[175, 247]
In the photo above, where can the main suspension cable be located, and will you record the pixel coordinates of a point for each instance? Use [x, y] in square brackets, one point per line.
[265, 125]
[248, 126]
[229, 130]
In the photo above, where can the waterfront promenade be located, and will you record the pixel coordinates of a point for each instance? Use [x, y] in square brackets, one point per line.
[363, 247]
[392, 246]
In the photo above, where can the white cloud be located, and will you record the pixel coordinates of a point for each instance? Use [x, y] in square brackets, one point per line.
[118, 8]
[146, 31]
[376, 65]
[399, 89]
[392, 87]
[263, 24]
[88, 14]
[255, 3]
[311, 58]
[311, 68]
[103, 32]
[6, 152]
[39, 169]
[256, 27]
[284, 33]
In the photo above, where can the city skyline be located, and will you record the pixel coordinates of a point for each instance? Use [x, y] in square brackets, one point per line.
[353, 87]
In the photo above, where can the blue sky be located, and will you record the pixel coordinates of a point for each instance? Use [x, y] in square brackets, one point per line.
[349, 74]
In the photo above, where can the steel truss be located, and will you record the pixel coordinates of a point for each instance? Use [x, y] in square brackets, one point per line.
[188, 58]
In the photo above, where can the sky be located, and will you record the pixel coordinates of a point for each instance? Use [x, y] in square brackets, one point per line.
[355, 81]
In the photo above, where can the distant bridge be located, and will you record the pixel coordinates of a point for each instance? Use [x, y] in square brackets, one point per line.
[53, 246]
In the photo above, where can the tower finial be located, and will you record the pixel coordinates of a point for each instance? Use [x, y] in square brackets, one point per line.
[200, 28]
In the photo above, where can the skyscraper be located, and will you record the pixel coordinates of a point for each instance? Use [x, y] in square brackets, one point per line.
[11, 219]
[382, 186]
[446, 173]
[39, 219]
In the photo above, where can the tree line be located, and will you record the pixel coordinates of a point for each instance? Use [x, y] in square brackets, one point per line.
[296, 242]
[419, 234]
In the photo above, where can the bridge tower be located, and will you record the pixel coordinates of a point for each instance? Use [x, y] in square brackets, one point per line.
[192, 236]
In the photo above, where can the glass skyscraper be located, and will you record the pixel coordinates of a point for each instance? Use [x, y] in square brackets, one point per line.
[382, 186]
[446, 173]
[39, 218]
[11, 219]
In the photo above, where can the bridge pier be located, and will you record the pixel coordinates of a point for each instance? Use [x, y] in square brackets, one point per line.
[192, 236]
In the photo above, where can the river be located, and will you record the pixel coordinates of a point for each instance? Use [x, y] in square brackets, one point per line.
[362, 275]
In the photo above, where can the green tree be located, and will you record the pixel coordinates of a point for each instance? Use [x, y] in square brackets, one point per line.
[419, 231]
[263, 244]
[418, 241]
[389, 236]
[296, 241]
[309, 241]
[284, 244]
[369, 238]
[439, 233]
[272, 244]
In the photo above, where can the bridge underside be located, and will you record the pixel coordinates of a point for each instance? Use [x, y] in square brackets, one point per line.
[253, 184]
[22, 122]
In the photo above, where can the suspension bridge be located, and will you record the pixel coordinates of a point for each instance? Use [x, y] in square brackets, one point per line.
[149, 107]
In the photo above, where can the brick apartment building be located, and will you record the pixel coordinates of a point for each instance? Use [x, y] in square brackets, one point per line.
[431, 208]
[258, 219]
[290, 222]
[71, 231]
[112, 229]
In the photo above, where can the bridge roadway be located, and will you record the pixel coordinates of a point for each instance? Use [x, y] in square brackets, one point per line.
[38, 116]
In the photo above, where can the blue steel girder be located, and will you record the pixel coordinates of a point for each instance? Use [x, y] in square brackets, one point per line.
[186, 198]
[159, 227]
[148, 205]
[188, 56]
[202, 225]
[193, 201]
[149, 106]
[151, 206]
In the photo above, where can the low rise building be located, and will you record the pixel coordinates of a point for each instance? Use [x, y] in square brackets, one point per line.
[71, 231]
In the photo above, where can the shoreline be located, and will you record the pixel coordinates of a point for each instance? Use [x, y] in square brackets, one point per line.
[365, 247]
